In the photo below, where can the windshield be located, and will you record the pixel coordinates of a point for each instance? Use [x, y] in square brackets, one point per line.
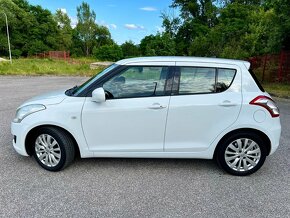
[93, 79]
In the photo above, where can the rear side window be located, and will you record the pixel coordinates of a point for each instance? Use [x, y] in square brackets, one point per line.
[197, 80]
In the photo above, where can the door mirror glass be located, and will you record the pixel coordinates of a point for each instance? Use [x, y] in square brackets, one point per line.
[98, 95]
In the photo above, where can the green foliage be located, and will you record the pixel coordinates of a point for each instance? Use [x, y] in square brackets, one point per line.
[65, 30]
[86, 27]
[160, 45]
[88, 32]
[34, 30]
[129, 49]
[108, 52]
[230, 29]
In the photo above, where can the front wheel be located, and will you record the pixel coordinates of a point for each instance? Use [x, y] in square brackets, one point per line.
[241, 154]
[53, 148]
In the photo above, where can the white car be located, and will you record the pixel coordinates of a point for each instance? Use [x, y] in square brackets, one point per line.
[155, 107]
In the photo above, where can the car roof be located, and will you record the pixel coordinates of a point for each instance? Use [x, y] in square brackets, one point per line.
[184, 59]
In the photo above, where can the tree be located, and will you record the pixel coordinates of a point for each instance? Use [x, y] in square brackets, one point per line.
[89, 33]
[160, 44]
[86, 27]
[129, 49]
[103, 36]
[170, 23]
[281, 9]
[32, 28]
[64, 26]
[43, 29]
[108, 53]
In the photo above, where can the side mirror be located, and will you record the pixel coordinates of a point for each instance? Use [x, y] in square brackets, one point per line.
[98, 95]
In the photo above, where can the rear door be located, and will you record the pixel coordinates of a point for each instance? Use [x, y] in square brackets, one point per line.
[206, 100]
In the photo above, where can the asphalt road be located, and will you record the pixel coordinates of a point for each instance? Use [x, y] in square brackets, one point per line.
[133, 187]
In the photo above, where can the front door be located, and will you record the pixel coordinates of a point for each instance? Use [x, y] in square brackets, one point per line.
[133, 117]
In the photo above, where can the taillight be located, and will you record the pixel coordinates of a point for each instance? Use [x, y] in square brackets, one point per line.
[267, 103]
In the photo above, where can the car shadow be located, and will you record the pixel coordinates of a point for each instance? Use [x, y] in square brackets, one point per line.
[153, 164]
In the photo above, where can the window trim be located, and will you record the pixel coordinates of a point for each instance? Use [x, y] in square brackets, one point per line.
[178, 76]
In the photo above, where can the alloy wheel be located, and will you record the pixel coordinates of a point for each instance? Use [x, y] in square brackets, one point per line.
[242, 154]
[47, 150]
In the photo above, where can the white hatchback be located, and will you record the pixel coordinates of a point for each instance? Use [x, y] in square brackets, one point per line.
[155, 107]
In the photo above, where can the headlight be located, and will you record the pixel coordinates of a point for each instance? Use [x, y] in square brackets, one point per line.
[23, 112]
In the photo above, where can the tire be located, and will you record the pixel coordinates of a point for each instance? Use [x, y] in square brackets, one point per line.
[53, 148]
[241, 154]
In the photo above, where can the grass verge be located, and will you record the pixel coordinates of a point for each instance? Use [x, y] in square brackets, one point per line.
[281, 90]
[26, 66]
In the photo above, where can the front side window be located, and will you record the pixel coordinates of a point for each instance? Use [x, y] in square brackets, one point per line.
[93, 79]
[137, 81]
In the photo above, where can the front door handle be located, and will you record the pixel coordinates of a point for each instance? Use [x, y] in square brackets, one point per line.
[227, 103]
[156, 106]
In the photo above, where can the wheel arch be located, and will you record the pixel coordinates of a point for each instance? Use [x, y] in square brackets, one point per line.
[33, 131]
[261, 134]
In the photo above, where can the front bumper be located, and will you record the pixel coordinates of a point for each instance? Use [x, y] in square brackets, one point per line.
[19, 132]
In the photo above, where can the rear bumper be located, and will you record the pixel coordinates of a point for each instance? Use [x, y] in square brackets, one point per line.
[19, 131]
[274, 134]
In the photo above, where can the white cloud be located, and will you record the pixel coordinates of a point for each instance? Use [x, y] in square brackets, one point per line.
[148, 9]
[74, 21]
[109, 26]
[63, 10]
[134, 27]
[113, 26]
[131, 26]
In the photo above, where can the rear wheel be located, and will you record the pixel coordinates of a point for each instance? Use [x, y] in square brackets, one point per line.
[53, 148]
[241, 154]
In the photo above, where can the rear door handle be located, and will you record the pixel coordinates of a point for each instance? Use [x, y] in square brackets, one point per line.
[156, 106]
[227, 103]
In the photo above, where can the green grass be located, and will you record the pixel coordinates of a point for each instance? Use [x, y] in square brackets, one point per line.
[281, 90]
[23, 66]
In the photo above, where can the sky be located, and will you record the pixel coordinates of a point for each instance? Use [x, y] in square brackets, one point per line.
[126, 19]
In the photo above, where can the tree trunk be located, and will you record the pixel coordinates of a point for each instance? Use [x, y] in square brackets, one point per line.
[87, 51]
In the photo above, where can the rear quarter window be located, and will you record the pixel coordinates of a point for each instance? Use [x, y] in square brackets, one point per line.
[225, 78]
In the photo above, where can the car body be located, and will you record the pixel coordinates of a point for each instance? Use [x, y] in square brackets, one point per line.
[155, 107]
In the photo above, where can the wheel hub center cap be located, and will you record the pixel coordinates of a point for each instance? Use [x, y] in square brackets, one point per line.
[243, 154]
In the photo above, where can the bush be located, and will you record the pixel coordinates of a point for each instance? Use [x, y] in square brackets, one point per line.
[108, 53]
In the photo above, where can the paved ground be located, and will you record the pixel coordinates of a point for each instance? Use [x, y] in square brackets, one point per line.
[133, 187]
